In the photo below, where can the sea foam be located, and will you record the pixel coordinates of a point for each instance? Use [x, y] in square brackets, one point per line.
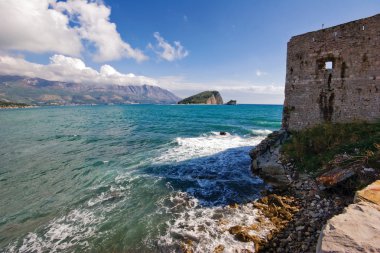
[205, 145]
[206, 227]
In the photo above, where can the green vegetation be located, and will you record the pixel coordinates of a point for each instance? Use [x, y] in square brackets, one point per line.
[314, 149]
[11, 104]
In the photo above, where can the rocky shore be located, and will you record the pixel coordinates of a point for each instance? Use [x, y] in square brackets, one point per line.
[311, 205]
[315, 207]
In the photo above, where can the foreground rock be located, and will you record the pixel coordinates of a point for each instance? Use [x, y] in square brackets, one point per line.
[358, 228]
[206, 97]
[266, 160]
[315, 207]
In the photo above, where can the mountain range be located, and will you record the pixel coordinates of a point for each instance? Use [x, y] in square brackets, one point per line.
[37, 91]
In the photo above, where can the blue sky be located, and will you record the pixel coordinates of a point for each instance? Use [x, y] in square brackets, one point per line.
[238, 47]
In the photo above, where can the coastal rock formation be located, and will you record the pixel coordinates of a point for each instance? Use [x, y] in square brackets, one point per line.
[337, 71]
[357, 229]
[231, 102]
[266, 159]
[206, 97]
[37, 91]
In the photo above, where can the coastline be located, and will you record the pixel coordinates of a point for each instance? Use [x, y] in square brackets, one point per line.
[18, 107]
[311, 206]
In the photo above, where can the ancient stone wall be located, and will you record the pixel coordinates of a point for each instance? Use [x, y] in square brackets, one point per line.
[333, 75]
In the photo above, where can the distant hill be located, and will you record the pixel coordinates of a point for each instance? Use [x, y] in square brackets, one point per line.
[206, 97]
[5, 104]
[37, 91]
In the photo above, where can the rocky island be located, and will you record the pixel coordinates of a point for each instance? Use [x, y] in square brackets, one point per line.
[206, 97]
[231, 102]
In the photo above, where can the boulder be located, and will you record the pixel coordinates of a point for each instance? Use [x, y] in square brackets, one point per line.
[371, 194]
[357, 229]
[334, 176]
[265, 159]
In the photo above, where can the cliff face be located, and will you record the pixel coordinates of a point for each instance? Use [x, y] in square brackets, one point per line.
[206, 97]
[38, 91]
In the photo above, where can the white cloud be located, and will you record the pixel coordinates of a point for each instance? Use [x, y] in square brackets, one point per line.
[43, 26]
[260, 73]
[95, 27]
[68, 69]
[166, 51]
[32, 26]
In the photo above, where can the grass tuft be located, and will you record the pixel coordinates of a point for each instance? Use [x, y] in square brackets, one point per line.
[312, 149]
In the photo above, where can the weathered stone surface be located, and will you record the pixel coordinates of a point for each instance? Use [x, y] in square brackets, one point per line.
[357, 229]
[334, 176]
[265, 159]
[349, 91]
[371, 194]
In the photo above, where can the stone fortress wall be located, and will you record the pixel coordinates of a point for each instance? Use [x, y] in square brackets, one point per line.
[333, 75]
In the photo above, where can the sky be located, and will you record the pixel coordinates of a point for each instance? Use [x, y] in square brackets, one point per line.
[237, 47]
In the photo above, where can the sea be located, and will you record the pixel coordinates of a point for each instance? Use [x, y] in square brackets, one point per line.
[129, 178]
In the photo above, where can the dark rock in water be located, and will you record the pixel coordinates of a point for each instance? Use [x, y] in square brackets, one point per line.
[223, 133]
[206, 97]
[231, 102]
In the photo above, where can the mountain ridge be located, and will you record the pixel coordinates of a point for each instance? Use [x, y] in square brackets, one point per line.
[38, 91]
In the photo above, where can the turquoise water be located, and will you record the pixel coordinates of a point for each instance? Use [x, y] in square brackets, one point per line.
[134, 178]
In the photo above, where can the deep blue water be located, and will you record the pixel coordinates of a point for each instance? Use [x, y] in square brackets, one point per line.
[133, 178]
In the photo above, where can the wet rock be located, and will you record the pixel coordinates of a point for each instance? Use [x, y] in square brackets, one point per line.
[265, 159]
[219, 249]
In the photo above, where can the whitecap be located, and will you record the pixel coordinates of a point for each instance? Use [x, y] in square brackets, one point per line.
[205, 145]
[207, 227]
[262, 132]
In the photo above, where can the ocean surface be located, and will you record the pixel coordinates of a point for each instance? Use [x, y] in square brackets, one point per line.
[131, 178]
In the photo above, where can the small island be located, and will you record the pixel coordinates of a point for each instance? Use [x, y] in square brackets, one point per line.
[206, 97]
[231, 102]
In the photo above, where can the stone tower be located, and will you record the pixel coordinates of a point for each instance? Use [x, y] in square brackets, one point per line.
[333, 75]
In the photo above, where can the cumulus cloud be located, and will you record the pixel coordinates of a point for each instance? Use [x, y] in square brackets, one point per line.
[166, 51]
[32, 26]
[44, 26]
[69, 69]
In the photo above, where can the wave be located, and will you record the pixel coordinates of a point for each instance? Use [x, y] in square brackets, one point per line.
[60, 234]
[75, 229]
[205, 228]
[206, 145]
[262, 132]
[206, 174]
